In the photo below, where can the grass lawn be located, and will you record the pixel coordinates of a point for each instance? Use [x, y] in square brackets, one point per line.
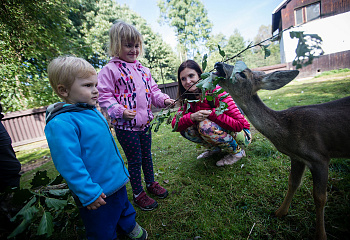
[238, 201]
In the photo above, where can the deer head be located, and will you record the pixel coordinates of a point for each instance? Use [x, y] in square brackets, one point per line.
[242, 85]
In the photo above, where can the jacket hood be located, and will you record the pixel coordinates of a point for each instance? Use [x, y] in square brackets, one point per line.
[62, 107]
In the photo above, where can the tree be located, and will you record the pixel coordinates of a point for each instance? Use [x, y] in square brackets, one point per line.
[258, 58]
[159, 56]
[213, 50]
[189, 18]
[235, 45]
[33, 32]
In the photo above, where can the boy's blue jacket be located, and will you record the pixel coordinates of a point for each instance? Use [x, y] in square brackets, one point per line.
[84, 151]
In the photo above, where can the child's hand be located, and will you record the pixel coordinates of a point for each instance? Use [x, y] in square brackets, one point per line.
[97, 203]
[168, 101]
[129, 114]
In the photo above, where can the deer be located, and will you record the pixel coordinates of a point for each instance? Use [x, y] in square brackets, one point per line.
[310, 135]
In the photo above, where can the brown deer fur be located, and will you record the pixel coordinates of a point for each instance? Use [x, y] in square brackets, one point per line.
[309, 135]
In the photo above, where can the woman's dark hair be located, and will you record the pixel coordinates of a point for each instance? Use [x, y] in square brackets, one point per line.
[190, 96]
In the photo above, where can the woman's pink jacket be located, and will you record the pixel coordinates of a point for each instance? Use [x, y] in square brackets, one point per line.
[232, 119]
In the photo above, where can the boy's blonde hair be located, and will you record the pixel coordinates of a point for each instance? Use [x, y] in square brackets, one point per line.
[121, 33]
[64, 70]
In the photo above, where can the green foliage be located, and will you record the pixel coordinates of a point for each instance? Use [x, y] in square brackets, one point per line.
[46, 203]
[259, 55]
[31, 31]
[204, 62]
[190, 21]
[331, 72]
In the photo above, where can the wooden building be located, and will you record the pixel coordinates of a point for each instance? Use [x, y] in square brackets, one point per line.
[329, 19]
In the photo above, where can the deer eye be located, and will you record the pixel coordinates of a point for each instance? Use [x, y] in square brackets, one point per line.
[242, 75]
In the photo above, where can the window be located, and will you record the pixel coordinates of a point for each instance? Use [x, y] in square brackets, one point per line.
[312, 12]
[299, 16]
[307, 13]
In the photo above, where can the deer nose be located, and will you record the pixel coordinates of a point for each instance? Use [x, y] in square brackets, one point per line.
[219, 68]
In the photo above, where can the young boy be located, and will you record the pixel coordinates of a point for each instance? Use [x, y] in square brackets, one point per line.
[85, 153]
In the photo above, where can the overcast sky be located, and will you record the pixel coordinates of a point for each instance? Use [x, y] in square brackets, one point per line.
[226, 15]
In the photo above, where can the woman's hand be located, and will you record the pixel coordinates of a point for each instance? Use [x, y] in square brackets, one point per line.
[129, 114]
[200, 115]
[97, 203]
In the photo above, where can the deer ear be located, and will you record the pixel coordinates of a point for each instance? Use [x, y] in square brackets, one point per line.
[278, 79]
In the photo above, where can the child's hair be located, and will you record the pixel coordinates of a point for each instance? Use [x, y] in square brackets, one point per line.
[120, 33]
[64, 70]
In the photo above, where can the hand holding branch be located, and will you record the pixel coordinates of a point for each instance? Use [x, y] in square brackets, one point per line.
[200, 115]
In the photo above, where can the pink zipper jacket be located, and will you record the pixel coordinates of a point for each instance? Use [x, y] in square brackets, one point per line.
[124, 85]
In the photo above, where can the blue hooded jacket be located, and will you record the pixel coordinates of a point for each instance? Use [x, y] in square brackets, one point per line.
[84, 151]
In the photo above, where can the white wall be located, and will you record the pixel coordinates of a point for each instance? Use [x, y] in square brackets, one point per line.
[334, 31]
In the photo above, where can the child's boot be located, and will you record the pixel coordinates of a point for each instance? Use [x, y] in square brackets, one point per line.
[157, 190]
[145, 202]
[139, 233]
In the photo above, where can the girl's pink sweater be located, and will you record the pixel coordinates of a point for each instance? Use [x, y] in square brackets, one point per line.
[124, 85]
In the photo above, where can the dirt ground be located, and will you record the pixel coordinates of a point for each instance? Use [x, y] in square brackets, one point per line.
[34, 163]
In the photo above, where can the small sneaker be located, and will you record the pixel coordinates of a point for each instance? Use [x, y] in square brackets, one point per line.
[230, 159]
[209, 153]
[145, 202]
[157, 190]
[139, 233]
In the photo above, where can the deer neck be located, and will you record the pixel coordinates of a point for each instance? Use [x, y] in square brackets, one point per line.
[265, 120]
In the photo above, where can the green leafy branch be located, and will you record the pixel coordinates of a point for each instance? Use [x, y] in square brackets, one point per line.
[47, 204]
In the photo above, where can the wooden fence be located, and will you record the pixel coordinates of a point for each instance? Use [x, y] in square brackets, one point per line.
[25, 126]
[28, 126]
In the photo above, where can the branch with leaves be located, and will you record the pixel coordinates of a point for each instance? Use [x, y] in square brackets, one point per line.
[46, 203]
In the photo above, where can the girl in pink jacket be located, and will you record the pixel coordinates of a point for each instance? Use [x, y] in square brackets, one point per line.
[127, 91]
[201, 125]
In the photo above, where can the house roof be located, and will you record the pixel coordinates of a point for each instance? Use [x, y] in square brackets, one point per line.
[276, 15]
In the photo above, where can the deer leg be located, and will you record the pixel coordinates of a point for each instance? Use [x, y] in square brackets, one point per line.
[320, 179]
[295, 176]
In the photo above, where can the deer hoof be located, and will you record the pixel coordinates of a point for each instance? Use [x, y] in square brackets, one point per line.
[281, 212]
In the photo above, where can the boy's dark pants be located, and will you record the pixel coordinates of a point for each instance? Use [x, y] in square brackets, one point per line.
[118, 213]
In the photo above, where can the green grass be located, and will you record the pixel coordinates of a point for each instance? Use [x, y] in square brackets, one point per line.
[238, 201]
[335, 71]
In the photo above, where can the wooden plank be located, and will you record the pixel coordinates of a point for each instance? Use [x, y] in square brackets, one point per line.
[35, 128]
[22, 130]
[8, 126]
[17, 135]
[27, 127]
[40, 129]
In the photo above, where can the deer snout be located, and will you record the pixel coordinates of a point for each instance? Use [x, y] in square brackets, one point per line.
[220, 72]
